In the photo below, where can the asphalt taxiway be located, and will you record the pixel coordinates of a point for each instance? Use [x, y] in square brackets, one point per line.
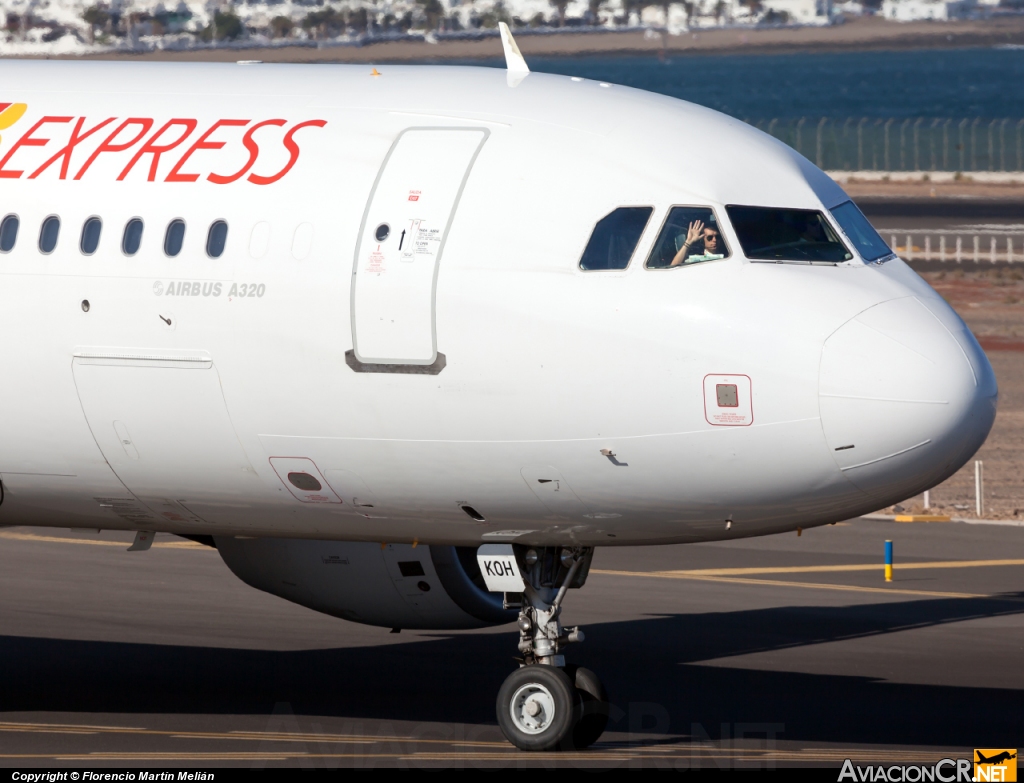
[769, 652]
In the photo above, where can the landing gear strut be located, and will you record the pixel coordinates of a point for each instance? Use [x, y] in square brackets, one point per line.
[546, 705]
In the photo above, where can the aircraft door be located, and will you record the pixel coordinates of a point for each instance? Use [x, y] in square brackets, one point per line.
[403, 235]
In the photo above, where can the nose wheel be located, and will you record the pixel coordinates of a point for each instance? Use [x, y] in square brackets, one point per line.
[594, 708]
[545, 704]
[537, 707]
[545, 708]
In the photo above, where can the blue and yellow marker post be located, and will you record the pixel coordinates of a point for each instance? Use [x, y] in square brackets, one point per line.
[888, 561]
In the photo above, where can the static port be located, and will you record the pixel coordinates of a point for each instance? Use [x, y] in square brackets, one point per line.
[85, 305]
[423, 586]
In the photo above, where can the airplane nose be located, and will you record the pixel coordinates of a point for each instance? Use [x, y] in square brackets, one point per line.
[906, 396]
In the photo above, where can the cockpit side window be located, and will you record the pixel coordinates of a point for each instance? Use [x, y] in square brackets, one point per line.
[614, 238]
[690, 235]
[860, 232]
[774, 234]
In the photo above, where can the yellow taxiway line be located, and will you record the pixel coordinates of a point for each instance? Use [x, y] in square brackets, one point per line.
[781, 583]
[726, 575]
[853, 567]
[708, 755]
[478, 751]
[91, 542]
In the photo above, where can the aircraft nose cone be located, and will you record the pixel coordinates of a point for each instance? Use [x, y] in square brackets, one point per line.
[906, 396]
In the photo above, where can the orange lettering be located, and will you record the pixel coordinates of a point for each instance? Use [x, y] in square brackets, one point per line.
[254, 151]
[27, 141]
[293, 150]
[74, 141]
[175, 174]
[145, 123]
[156, 150]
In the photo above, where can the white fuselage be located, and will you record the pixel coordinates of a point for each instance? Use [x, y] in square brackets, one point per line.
[560, 405]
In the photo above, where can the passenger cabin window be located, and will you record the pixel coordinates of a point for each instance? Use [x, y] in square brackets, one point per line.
[771, 234]
[132, 239]
[91, 230]
[48, 234]
[174, 237]
[8, 233]
[216, 239]
[860, 232]
[690, 235]
[615, 237]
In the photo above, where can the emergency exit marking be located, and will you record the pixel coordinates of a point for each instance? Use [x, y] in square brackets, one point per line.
[414, 195]
[727, 400]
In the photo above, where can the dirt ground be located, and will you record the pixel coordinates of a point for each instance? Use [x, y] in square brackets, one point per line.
[965, 189]
[992, 304]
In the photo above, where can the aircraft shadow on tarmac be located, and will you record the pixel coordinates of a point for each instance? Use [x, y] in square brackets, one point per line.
[649, 665]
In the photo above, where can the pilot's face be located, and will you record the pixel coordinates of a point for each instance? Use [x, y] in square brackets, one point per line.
[710, 240]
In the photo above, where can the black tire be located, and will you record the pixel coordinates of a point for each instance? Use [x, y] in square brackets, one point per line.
[594, 709]
[550, 690]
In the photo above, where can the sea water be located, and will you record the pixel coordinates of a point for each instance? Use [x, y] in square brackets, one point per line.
[932, 83]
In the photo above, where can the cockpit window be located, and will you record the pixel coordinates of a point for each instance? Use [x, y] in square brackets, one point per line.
[615, 237]
[690, 235]
[770, 234]
[859, 231]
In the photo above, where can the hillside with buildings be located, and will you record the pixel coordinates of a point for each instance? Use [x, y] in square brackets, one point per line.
[34, 27]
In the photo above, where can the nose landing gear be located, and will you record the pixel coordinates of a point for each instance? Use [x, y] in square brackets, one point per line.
[546, 705]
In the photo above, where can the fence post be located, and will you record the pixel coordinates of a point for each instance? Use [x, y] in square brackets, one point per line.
[945, 145]
[992, 249]
[799, 133]
[846, 128]
[860, 143]
[991, 146]
[771, 126]
[979, 487]
[917, 138]
[928, 248]
[887, 124]
[821, 125]
[977, 245]
[1009, 250]
[963, 148]
[974, 144]
[1002, 145]
[959, 250]
[903, 144]
[910, 249]
[894, 246]
[942, 248]
[1020, 158]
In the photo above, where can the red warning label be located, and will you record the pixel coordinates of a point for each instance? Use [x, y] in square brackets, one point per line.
[728, 400]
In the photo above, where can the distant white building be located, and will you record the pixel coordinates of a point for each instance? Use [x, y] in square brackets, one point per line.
[800, 11]
[918, 10]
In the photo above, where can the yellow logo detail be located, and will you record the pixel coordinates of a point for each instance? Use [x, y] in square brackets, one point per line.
[10, 113]
[998, 765]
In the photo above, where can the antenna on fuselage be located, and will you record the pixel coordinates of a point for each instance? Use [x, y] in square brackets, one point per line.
[514, 62]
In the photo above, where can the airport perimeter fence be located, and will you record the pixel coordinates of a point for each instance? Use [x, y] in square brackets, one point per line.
[971, 144]
[949, 246]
